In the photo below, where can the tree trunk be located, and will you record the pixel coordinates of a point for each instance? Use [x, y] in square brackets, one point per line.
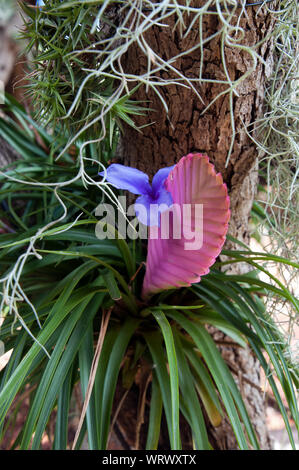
[186, 130]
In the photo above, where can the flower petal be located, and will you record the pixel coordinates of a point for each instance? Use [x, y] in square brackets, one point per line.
[160, 177]
[142, 209]
[164, 197]
[149, 209]
[125, 177]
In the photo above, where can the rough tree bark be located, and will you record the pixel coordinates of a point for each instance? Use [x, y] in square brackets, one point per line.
[186, 130]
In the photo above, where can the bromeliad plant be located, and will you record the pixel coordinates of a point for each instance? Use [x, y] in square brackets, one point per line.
[172, 260]
[74, 314]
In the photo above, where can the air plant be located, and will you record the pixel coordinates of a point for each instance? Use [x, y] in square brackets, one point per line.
[193, 182]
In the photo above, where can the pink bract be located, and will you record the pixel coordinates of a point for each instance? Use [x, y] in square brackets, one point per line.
[169, 265]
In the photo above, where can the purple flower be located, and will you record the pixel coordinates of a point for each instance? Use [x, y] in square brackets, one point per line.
[137, 182]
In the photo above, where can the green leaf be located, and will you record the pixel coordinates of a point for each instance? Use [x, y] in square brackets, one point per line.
[201, 374]
[42, 392]
[111, 285]
[204, 385]
[212, 318]
[106, 352]
[223, 379]
[55, 318]
[190, 398]
[154, 342]
[174, 378]
[86, 353]
[130, 299]
[65, 363]
[207, 291]
[111, 374]
[266, 337]
[63, 412]
[155, 415]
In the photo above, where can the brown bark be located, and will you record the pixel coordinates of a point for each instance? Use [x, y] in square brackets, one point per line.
[185, 129]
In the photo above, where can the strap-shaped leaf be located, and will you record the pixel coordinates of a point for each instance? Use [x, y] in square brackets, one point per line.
[228, 390]
[111, 374]
[155, 416]
[173, 376]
